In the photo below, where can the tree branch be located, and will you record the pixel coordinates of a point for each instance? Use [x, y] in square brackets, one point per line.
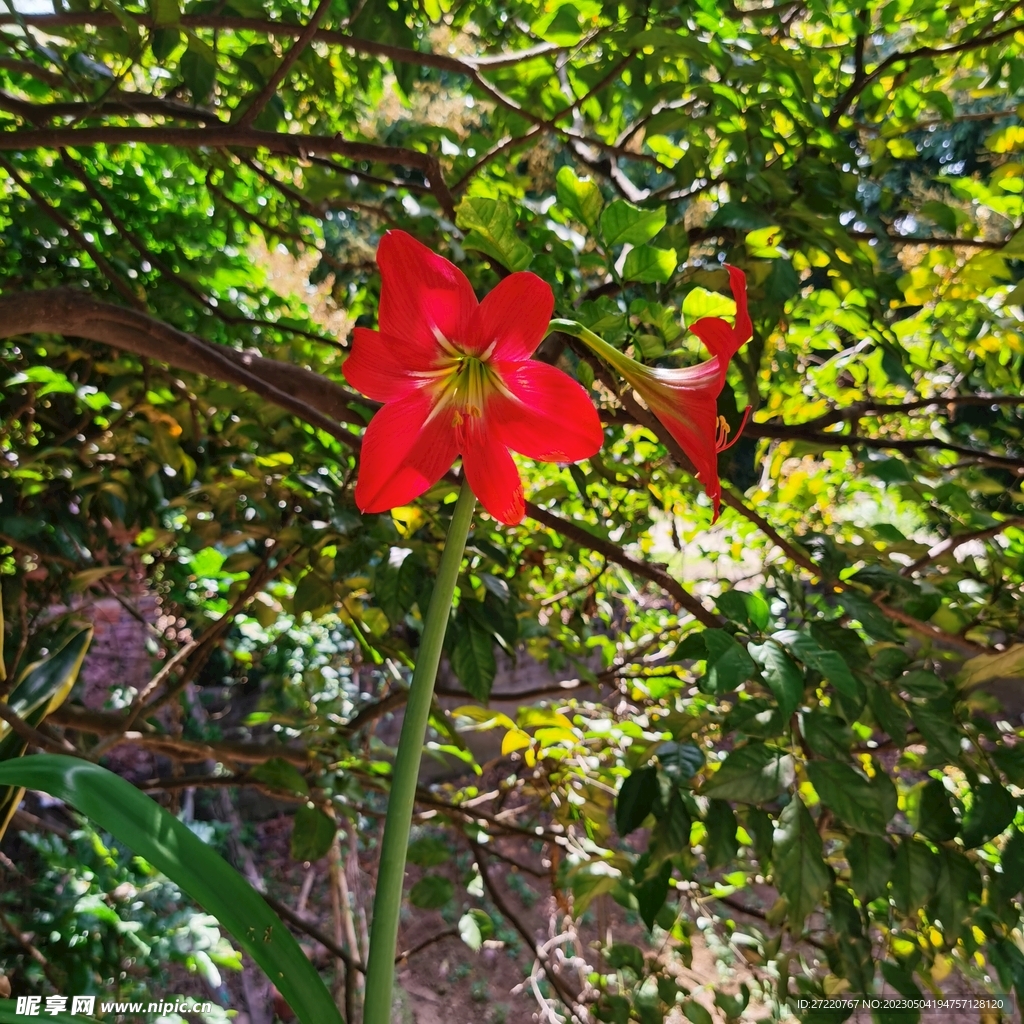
[275, 80]
[217, 22]
[64, 311]
[226, 136]
[860, 83]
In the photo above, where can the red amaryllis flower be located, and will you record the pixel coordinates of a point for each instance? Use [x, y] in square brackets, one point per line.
[456, 378]
[686, 400]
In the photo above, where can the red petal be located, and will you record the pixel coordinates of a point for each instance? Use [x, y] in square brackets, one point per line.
[738, 282]
[402, 454]
[515, 315]
[551, 418]
[421, 292]
[695, 427]
[380, 366]
[492, 475]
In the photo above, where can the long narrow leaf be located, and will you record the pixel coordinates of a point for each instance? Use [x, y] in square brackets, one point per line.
[145, 827]
[41, 689]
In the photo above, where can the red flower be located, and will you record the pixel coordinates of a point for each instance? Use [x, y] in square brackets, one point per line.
[456, 378]
[686, 400]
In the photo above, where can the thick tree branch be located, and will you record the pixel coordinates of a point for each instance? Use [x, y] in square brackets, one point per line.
[64, 311]
[284, 30]
[114, 102]
[227, 136]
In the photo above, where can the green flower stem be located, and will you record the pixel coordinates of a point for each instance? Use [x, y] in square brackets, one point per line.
[380, 969]
[611, 355]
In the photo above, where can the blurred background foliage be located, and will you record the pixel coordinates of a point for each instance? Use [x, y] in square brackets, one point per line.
[791, 735]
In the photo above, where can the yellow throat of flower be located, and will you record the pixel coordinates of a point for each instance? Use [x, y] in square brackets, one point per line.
[463, 383]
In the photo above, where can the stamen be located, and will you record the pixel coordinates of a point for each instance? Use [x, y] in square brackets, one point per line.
[722, 442]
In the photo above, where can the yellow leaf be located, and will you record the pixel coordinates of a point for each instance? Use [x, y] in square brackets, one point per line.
[515, 739]
[902, 149]
[1006, 140]
[535, 718]
[408, 519]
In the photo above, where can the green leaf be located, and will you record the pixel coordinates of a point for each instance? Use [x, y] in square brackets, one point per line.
[279, 774]
[428, 852]
[936, 723]
[958, 881]
[865, 805]
[431, 892]
[164, 42]
[671, 833]
[696, 1013]
[681, 761]
[913, 877]
[165, 13]
[1010, 761]
[397, 587]
[992, 809]
[623, 955]
[721, 844]
[922, 684]
[491, 227]
[1011, 861]
[831, 664]
[41, 688]
[763, 243]
[871, 863]
[473, 660]
[729, 665]
[635, 799]
[311, 594]
[146, 828]
[623, 223]
[935, 818]
[801, 874]
[312, 833]
[651, 893]
[580, 196]
[826, 734]
[751, 774]
[198, 67]
[649, 265]
[781, 673]
[475, 926]
[889, 714]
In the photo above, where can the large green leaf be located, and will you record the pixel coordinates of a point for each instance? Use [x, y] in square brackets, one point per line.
[751, 774]
[635, 799]
[913, 877]
[800, 871]
[781, 674]
[580, 196]
[491, 227]
[473, 659]
[935, 817]
[728, 663]
[865, 805]
[151, 832]
[992, 809]
[622, 223]
[870, 859]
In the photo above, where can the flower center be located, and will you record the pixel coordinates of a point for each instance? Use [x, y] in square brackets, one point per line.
[462, 383]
